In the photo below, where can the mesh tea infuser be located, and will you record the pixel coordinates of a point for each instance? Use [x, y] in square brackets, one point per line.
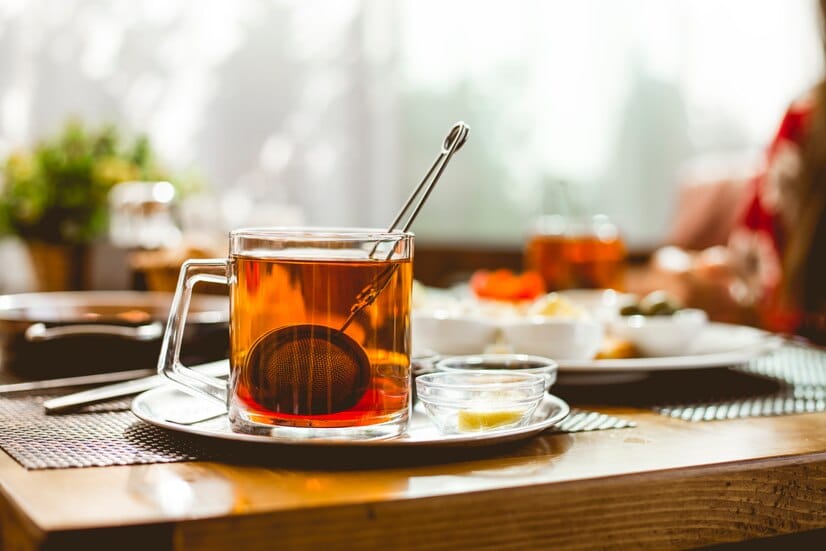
[313, 369]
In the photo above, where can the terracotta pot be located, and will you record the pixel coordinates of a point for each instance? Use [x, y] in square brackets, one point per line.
[60, 267]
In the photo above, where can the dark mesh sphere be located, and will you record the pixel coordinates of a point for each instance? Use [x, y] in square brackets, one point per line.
[306, 370]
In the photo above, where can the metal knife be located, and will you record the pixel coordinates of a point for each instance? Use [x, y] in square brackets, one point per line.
[77, 380]
[126, 388]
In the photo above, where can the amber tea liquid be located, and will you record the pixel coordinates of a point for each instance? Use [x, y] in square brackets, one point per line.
[577, 261]
[274, 292]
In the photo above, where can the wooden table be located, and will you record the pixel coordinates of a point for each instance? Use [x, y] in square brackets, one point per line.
[667, 483]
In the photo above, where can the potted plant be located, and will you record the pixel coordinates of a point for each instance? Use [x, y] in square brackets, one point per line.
[54, 196]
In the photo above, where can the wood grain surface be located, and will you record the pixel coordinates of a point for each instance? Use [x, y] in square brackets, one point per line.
[665, 484]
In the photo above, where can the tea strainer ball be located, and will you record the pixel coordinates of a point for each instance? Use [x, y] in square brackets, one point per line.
[306, 370]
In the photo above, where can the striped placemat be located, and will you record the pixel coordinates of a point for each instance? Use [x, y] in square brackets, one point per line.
[790, 380]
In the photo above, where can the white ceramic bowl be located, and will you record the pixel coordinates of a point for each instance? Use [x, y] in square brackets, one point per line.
[451, 335]
[557, 338]
[661, 335]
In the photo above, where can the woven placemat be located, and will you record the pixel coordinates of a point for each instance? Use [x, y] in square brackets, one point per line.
[109, 434]
[788, 381]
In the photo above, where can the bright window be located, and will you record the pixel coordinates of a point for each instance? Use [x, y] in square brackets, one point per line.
[339, 106]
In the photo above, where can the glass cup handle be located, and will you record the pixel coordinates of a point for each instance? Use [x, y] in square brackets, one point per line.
[169, 362]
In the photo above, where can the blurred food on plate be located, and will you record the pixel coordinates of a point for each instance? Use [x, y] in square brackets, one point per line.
[704, 280]
[655, 303]
[581, 324]
[615, 348]
[556, 305]
[506, 285]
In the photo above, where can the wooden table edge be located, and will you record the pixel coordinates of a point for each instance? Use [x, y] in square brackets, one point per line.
[754, 487]
[715, 503]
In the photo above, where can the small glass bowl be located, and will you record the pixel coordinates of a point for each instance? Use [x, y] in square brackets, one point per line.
[475, 401]
[421, 362]
[513, 363]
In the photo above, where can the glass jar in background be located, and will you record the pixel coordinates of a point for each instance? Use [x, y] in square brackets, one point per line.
[577, 252]
[141, 215]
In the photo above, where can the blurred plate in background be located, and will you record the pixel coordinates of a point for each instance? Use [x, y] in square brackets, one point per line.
[718, 345]
[73, 333]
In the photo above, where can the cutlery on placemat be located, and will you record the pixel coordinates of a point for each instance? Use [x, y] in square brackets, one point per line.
[78, 380]
[126, 388]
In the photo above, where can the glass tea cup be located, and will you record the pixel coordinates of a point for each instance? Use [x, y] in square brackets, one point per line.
[319, 332]
[577, 252]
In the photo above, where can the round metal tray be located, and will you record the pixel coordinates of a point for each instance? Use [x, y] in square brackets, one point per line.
[172, 409]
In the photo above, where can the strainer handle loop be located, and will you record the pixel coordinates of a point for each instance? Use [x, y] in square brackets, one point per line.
[454, 140]
[169, 362]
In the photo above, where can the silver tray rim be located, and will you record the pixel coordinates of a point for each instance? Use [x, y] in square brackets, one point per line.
[551, 411]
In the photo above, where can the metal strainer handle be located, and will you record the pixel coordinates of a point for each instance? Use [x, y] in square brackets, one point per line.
[454, 140]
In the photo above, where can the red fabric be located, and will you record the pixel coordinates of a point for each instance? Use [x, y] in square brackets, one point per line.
[760, 218]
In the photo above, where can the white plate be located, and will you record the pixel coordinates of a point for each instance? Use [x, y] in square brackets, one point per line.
[172, 409]
[719, 344]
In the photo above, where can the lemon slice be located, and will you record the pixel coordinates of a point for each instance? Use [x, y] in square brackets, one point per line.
[484, 420]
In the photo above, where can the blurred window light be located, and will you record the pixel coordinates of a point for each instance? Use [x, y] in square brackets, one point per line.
[339, 106]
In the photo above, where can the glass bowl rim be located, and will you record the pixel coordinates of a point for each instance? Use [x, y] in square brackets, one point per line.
[544, 363]
[527, 382]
